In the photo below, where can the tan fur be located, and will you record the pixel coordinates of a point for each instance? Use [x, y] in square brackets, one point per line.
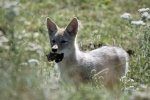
[76, 65]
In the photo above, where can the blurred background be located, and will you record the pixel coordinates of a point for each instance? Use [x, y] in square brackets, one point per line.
[25, 73]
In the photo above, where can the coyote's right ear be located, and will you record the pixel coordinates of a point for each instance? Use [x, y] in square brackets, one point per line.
[72, 28]
[51, 26]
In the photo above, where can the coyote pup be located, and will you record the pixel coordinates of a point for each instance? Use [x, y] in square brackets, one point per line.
[76, 66]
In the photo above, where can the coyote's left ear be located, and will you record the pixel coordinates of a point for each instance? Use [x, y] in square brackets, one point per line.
[72, 27]
[51, 26]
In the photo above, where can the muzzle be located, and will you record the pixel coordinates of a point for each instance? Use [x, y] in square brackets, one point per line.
[55, 48]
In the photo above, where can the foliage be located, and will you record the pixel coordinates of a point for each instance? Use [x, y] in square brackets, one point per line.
[25, 73]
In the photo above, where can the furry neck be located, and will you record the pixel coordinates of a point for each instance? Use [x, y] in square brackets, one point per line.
[72, 56]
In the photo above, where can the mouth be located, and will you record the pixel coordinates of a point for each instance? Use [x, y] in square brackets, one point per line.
[55, 57]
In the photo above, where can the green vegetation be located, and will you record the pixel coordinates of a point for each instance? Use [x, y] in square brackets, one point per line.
[25, 73]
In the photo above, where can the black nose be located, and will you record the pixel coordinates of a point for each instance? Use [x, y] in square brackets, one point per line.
[54, 50]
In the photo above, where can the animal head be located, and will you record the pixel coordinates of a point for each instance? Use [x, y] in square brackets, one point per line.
[62, 40]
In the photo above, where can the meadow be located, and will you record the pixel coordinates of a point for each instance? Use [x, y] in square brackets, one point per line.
[25, 73]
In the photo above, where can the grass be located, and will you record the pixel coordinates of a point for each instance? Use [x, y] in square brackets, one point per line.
[25, 73]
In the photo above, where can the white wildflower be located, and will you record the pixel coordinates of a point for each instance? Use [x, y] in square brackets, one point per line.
[3, 39]
[33, 62]
[144, 10]
[33, 47]
[36, 34]
[140, 22]
[140, 95]
[130, 89]
[9, 4]
[131, 80]
[24, 64]
[144, 15]
[126, 16]
[143, 86]
[27, 22]
[148, 17]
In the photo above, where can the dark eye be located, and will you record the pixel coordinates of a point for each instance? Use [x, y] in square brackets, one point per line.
[63, 41]
[53, 41]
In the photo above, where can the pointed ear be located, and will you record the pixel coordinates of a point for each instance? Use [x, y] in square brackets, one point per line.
[51, 26]
[72, 28]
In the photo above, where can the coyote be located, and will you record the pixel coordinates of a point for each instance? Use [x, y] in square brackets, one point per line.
[76, 66]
